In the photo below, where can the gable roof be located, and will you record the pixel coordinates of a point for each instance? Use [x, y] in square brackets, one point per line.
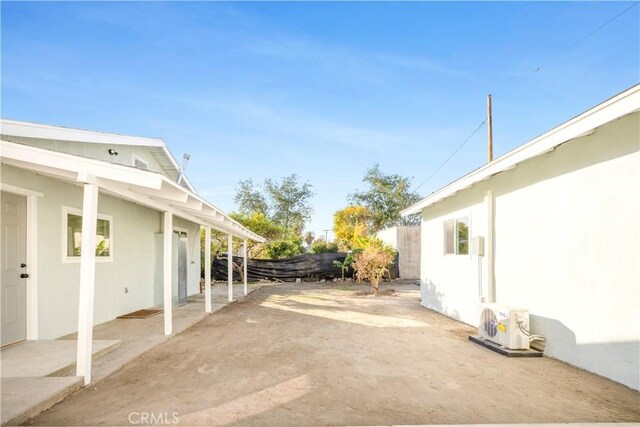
[147, 188]
[156, 146]
[612, 109]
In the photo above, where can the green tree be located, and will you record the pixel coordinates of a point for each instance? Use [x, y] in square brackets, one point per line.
[289, 203]
[259, 224]
[285, 248]
[384, 197]
[250, 199]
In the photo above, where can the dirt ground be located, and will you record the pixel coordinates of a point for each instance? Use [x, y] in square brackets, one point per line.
[317, 354]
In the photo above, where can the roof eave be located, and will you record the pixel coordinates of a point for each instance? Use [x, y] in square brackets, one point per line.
[140, 186]
[612, 109]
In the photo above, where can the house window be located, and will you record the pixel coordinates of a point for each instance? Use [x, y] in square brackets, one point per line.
[72, 241]
[456, 236]
[140, 163]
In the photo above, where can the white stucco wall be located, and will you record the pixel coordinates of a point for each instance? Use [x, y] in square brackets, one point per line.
[567, 245]
[133, 256]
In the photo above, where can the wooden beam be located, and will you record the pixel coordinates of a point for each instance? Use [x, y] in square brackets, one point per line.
[489, 130]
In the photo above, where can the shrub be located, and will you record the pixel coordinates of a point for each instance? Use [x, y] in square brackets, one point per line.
[322, 247]
[285, 248]
[372, 262]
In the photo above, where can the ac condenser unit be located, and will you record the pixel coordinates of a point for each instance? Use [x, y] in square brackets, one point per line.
[505, 326]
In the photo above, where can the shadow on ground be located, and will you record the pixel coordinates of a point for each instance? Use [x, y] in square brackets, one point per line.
[316, 354]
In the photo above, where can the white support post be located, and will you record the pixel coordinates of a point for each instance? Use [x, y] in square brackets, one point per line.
[167, 276]
[207, 269]
[244, 246]
[87, 282]
[491, 280]
[230, 266]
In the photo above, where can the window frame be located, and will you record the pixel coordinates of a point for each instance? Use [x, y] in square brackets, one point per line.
[66, 259]
[135, 157]
[445, 238]
[456, 242]
[457, 235]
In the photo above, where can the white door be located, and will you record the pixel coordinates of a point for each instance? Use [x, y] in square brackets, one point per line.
[13, 237]
[180, 264]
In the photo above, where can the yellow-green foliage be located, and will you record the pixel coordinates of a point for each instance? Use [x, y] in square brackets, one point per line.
[350, 225]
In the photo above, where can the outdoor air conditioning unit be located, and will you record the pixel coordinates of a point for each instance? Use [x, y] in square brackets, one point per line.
[505, 326]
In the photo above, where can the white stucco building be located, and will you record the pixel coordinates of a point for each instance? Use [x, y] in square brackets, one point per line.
[558, 220]
[67, 189]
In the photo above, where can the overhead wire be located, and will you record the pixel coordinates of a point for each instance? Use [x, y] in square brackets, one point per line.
[536, 70]
[452, 154]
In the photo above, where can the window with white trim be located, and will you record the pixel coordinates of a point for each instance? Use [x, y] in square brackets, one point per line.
[456, 236]
[72, 236]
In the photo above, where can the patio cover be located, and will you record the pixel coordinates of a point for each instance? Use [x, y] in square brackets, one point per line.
[144, 187]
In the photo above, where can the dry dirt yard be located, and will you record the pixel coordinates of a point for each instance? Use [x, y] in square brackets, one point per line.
[317, 354]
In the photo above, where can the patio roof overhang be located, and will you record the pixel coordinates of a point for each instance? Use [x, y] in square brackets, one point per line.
[146, 188]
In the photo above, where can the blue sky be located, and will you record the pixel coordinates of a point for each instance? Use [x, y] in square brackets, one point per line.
[323, 90]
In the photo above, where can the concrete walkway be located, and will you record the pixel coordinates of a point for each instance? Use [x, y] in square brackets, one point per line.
[322, 354]
[38, 374]
[33, 375]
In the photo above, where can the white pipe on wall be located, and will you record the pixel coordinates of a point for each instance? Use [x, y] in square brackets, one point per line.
[491, 282]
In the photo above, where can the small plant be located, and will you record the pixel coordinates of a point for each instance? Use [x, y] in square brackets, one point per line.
[344, 265]
[373, 262]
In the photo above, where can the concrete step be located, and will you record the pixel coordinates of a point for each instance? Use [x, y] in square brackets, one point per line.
[48, 358]
[26, 397]
[100, 349]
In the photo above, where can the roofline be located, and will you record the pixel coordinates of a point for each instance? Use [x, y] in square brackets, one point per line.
[612, 109]
[37, 130]
[62, 133]
[76, 168]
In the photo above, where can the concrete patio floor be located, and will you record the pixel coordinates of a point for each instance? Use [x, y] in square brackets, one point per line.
[38, 374]
[320, 354]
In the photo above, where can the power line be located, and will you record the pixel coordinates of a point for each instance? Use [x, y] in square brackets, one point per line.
[537, 69]
[452, 154]
[587, 36]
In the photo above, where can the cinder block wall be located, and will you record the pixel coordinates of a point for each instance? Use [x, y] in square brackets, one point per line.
[406, 240]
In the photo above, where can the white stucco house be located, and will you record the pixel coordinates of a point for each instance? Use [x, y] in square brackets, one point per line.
[552, 226]
[124, 197]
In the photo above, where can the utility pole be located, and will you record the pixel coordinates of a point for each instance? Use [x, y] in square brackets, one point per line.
[326, 235]
[489, 130]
